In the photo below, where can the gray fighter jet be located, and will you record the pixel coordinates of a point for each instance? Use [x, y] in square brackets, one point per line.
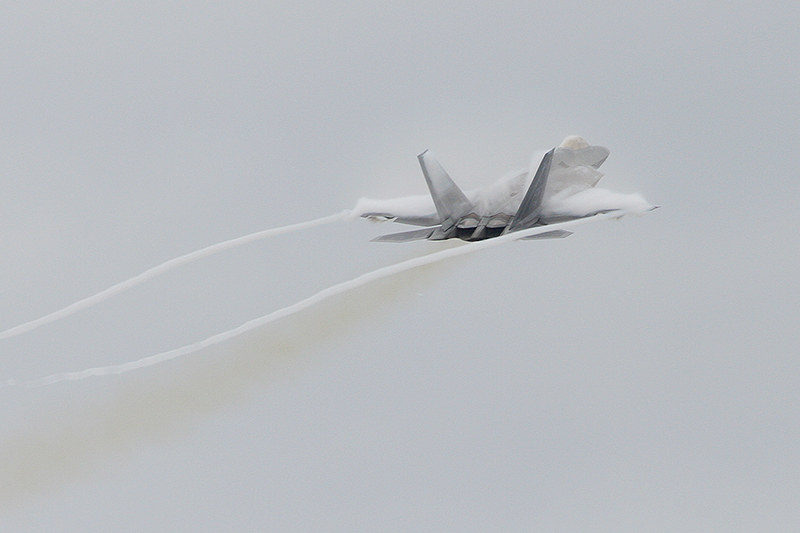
[458, 217]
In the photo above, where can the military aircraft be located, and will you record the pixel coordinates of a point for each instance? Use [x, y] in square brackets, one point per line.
[570, 168]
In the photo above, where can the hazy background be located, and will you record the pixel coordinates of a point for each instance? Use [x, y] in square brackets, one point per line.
[640, 375]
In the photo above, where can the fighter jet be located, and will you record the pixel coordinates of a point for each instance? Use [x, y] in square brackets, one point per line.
[499, 210]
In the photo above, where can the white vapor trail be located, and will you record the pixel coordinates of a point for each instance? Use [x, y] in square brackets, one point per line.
[164, 267]
[308, 302]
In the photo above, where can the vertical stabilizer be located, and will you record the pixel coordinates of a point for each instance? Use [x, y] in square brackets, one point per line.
[451, 204]
[531, 207]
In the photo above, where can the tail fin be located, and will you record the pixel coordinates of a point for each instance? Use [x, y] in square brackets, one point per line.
[451, 204]
[531, 207]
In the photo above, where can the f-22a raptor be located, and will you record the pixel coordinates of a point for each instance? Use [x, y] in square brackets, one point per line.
[502, 212]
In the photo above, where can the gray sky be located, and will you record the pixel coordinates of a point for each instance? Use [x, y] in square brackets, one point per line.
[640, 375]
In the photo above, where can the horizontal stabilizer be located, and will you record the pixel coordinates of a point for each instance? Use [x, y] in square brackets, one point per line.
[406, 236]
[555, 234]
[414, 220]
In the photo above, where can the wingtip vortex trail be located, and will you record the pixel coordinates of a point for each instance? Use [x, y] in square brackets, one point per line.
[308, 302]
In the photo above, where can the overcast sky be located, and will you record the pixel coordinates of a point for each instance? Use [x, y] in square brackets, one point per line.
[641, 375]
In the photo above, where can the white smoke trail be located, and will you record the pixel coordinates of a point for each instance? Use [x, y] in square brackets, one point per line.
[164, 267]
[80, 436]
[308, 302]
